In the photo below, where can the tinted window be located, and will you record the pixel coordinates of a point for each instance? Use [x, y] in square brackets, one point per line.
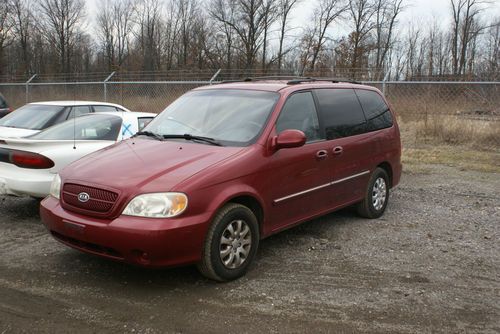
[299, 113]
[105, 108]
[79, 111]
[92, 127]
[32, 116]
[340, 112]
[231, 116]
[378, 115]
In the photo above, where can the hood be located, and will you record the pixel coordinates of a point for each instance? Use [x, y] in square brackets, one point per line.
[7, 132]
[145, 164]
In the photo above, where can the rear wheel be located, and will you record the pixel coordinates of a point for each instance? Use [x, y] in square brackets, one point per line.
[376, 195]
[231, 243]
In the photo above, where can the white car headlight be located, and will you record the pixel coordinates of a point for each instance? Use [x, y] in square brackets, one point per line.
[157, 205]
[55, 187]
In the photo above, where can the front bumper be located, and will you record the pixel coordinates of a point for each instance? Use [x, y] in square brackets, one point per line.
[141, 241]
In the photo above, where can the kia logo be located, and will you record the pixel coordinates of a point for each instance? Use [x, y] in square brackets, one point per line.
[83, 197]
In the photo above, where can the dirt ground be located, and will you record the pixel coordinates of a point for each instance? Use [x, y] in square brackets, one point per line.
[430, 264]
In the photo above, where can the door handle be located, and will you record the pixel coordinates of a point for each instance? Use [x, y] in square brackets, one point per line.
[321, 154]
[338, 150]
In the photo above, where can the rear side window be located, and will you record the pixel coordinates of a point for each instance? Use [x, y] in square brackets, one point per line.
[79, 111]
[378, 115]
[340, 112]
[32, 116]
[90, 127]
[299, 113]
[105, 108]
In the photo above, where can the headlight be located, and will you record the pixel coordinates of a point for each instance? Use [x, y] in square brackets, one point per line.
[157, 205]
[55, 187]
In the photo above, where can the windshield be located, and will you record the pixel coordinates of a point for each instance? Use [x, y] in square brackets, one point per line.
[91, 127]
[31, 116]
[231, 117]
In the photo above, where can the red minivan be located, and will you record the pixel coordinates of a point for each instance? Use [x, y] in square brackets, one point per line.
[225, 166]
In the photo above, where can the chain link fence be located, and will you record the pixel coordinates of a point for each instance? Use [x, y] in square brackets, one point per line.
[449, 112]
[137, 96]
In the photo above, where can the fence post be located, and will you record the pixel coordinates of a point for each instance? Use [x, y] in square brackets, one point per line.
[384, 81]
[106, 86]
[28, 88]
[215, 76]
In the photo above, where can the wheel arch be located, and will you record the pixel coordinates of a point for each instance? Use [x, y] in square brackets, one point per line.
[253, 204]
[388, 169]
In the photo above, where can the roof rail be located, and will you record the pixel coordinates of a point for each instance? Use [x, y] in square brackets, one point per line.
[333, 80]
[237, 80]
[264, 78]
[293, 80]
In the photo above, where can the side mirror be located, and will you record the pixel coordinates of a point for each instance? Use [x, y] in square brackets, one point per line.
[289, 139]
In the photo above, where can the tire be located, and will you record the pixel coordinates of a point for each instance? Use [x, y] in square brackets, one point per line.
[230, 244]
[376, 195]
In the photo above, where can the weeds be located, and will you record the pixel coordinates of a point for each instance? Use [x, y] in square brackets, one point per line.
[477, 134]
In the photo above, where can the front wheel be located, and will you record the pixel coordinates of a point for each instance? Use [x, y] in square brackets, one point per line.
[376, 195]
[231, 243]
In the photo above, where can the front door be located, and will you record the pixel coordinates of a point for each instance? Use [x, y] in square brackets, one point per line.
[300, 184]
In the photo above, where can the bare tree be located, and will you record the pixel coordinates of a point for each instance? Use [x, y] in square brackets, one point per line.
[62, 27]
[493, 50]
[465, 28]
[223, 12]
[361, 13]
[248, 23]
[270, 16]
[150, 34]
[105, 31]
[386, 14]
[6, 25]
[412, 62]
[324, 15]
[24, 29]
[284, 9]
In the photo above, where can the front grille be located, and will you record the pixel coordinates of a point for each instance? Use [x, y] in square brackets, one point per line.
[91, 247]
[100, 201]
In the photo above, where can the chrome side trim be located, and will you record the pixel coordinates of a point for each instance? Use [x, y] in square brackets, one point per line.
[302, 193]
[320, 187]
[350, 177]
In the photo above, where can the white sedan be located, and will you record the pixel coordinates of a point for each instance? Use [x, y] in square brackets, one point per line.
[28, 165]
[34, 117]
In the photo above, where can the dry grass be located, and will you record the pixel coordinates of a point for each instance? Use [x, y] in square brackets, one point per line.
[415, 159]
[467, 144]
[456, 131]
[483, 135]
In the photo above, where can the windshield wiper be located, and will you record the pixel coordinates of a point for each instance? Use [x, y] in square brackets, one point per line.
[149, 134]
[188, 136]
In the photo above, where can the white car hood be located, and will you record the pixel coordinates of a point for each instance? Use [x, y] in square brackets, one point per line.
[16, 132]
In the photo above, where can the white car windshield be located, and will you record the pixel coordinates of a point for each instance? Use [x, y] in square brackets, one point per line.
[90, 127]
[231, 117]
[32, 116]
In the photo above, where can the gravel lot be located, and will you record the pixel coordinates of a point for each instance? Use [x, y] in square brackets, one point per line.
[430, 264]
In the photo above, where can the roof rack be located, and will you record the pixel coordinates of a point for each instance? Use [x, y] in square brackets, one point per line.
[293, 80]
[264, 78]
[237, 80]
[333, 80]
